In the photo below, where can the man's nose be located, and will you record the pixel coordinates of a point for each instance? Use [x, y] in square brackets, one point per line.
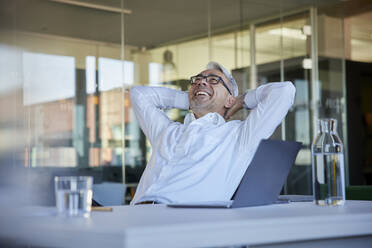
[202, 82]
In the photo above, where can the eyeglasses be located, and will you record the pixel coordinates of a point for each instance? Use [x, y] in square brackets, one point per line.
[210, 79]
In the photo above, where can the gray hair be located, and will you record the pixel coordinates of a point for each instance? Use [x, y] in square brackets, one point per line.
[216, 66]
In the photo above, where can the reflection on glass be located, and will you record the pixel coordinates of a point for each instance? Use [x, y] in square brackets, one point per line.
[49, 89]
[72, 82]
[302, 114]
[90, 68]
[281, 47]
[155, 73]
[47, 78]
[111, 73]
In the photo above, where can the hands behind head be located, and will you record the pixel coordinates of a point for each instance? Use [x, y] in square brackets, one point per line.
[239, 101]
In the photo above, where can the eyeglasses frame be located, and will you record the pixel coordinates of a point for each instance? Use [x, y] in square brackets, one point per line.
[206, 76]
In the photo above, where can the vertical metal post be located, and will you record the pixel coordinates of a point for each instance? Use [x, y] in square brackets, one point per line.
[209, 30]
[97, 142]
[285, 187]
[344, 115]
[122, 57]
[315, 97]
[282, 67]
[281, 45]
[253, 68]
[236, 49]
[315, 84]
[80, 132]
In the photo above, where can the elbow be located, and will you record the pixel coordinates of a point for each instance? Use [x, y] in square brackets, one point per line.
[289, 91]
[289, 87]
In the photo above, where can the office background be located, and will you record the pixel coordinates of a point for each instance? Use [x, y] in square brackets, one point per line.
[67, 66]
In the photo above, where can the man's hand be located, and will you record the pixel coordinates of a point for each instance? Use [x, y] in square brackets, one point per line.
[239, 101]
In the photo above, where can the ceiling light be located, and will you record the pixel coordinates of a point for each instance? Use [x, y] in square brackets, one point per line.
[307, 64]
[306, 30]
[94, 6]
[288, 32]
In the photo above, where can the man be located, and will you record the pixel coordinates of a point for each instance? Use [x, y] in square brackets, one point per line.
[205, 158]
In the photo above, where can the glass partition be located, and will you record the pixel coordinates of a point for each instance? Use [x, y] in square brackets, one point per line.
[282, 51]
[162, 58]
[329, 92]
[67, 70]
[296, 56]
[70, 73]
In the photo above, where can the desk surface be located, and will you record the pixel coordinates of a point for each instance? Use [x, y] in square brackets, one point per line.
[160, 226]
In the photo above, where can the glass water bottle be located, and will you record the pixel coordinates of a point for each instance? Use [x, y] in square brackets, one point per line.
[328, 165]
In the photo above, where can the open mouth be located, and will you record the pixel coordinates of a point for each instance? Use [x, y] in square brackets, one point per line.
[201, 93]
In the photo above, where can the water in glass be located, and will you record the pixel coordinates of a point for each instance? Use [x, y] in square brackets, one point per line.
[74, 196]
[74, 203]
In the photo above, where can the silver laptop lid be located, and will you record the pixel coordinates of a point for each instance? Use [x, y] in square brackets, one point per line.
[265, 176]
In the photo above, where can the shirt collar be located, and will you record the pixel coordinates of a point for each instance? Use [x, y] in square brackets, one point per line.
[190, 117]
[213, 118]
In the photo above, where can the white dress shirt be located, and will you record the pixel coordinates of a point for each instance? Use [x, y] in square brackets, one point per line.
[203, 159]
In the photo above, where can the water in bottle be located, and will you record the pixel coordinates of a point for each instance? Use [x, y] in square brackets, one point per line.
[328, 165]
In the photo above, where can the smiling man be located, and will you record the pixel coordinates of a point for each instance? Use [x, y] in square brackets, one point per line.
[204, 158]
[205, 97]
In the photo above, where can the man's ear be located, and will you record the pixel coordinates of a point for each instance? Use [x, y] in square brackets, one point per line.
[230, 101]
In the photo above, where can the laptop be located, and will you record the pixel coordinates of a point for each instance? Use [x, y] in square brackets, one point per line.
[263, 179]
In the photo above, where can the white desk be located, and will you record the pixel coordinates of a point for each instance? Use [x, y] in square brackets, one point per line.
[160, 226]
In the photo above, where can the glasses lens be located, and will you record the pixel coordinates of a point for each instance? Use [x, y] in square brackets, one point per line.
[213, 79]
[196, 79]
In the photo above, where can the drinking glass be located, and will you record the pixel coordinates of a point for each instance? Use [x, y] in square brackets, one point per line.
[73, 195]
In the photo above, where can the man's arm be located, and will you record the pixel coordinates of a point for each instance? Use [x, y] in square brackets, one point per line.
[269, 104]
[147, 103]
